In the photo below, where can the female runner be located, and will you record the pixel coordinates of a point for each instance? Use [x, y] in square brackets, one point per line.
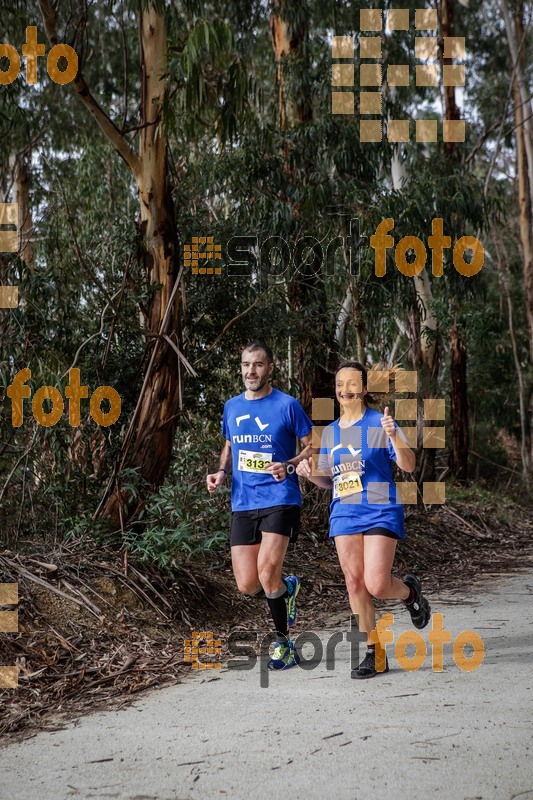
[366, 521]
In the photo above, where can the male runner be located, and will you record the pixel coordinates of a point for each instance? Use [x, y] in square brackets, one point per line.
[261, 426]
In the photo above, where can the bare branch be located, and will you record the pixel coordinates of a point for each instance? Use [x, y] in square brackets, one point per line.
[22, 457]
[83, 264]
[226, 328]
[91, 337]
[104, 122]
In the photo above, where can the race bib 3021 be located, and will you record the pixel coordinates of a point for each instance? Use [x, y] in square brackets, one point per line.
[347, 484]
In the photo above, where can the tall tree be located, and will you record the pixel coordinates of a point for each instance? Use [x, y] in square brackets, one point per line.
[459, 440]
[524, 169]
[148, 443]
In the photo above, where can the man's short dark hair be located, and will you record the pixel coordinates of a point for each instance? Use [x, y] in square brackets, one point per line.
[257, 345]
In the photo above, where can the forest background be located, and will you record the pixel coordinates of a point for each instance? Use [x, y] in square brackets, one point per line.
[214, 120]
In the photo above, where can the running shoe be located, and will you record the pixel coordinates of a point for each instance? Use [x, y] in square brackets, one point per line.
[367, 667]
[419, 608]
[293, 587]
[284, 656]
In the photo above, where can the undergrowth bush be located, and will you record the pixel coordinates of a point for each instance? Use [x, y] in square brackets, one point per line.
[182, 520]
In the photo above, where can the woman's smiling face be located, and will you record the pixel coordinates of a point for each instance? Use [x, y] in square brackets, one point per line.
[349, 387]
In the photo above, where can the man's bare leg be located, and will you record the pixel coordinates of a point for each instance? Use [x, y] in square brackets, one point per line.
[244, 561]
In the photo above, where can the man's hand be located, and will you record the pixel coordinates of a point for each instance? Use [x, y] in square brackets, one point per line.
[387, 423]
[305, 467]
[278, 470]
[214, 480]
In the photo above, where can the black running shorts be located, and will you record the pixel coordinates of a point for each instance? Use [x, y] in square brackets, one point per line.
[246, 526]
[371, 532]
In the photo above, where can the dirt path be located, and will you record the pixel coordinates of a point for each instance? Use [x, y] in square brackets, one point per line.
[315, 733]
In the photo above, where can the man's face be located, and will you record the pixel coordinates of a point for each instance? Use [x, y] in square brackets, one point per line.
[256, 369]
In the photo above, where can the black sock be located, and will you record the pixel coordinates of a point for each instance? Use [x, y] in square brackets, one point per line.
[371, 647]
[278, 609]
[259, 594]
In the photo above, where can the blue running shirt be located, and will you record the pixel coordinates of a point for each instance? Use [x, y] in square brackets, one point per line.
[359, 461]
[261, 432]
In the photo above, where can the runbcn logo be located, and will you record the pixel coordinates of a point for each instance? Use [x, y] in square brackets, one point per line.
[32, 50]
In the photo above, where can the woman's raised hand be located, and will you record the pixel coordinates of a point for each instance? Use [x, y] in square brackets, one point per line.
[387, 423]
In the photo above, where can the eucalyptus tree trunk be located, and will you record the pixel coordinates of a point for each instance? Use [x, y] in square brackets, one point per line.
[459, 444]
[517, 49]
[524, 162]
[148, 443]
[156, 421]
[451, 110]
[506, 292]
[424, 351]
[22, 189]
[459, 410]
[351, 310]
[524, 191]
[290, 43]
